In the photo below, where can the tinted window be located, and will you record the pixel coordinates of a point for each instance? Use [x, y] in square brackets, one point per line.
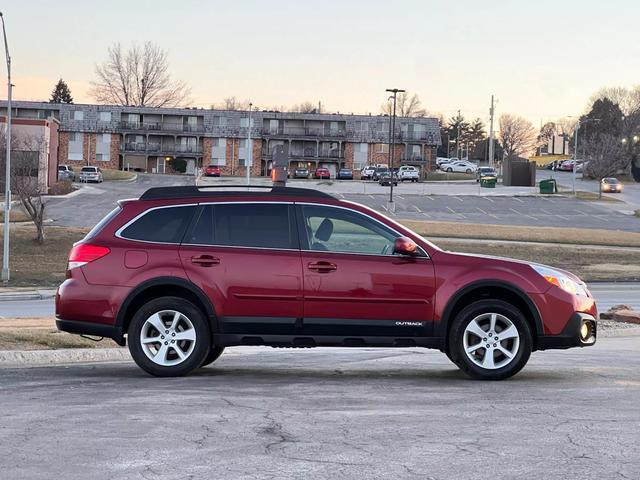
[338, 230]
[101, 224]
[165, 225]
[261, 225]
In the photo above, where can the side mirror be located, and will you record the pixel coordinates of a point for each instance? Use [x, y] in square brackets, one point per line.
[405, 246]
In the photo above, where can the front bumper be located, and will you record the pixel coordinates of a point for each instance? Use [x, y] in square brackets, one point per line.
[571, 334]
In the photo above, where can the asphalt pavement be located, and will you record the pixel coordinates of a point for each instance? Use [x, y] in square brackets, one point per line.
[328, 413]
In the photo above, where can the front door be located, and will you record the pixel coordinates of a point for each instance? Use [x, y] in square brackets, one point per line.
[353, 283]
[245, 257]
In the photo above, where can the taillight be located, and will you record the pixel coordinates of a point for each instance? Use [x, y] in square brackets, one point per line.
[83, 253]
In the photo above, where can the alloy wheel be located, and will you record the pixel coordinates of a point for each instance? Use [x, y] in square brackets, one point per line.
[168, 338]
[491, 341]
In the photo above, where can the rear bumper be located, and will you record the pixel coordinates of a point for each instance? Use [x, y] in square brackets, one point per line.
[570, 336]
[94, 329]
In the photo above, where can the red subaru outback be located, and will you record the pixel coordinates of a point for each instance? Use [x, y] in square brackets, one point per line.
[184, 272]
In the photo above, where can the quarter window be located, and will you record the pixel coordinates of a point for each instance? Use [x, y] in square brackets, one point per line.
[337, 230]
[163, 225]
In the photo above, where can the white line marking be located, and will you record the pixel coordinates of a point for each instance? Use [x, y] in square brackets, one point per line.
[487, 198]
[457, 198]
[451, 210]
[417, 209]
[518, 200]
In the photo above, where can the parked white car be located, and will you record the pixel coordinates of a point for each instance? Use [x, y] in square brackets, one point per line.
[461, 166]
[408, 173]
[367, 172]
[91, 174]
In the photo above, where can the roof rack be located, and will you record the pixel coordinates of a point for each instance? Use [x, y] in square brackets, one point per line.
[192, 191]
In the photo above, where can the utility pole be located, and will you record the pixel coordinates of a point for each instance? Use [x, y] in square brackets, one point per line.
[249, 159]
[392, 141]
[458, 137]
[575, 155]
[7, 177]
[491, 114]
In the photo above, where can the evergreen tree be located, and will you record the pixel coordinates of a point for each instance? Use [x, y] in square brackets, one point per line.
[61, 93]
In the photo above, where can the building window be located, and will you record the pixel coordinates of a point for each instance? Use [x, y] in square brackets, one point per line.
[105, 116]
[103, 157]
[219, 161]
[382, 148]
[242, 162]
[219, 121]
[103, 138]
[244, 122]
[78, 115]
[218, 142]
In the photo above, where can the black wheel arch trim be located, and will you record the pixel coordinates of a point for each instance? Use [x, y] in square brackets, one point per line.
[441, 327]
[167, 281]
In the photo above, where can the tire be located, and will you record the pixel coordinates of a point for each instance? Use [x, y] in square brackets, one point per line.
[213, 355]
[191, 323]
[468, 170]
[449, 170]
[478, 316]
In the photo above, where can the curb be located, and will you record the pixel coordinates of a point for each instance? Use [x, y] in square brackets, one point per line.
[37, 358]
[27, 295]
[620, 332]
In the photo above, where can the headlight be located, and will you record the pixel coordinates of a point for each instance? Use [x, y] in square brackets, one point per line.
[560, 280]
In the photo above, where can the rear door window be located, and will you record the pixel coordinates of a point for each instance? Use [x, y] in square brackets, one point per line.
[258, 225]
[160, 225]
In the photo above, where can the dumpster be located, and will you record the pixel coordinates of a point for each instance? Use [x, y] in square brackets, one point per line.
[488, 182]
[548, 186]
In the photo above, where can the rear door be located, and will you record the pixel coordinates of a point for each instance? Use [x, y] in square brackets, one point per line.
[353, 283]
[245, 257]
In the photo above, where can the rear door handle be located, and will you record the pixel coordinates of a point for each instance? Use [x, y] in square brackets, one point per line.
[322, 267]
[205, 260]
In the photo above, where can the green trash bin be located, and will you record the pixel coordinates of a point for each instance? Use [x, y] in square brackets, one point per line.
[488, 182]
[548, 186]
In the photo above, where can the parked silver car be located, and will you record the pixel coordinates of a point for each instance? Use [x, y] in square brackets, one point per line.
[65, 172]
[91, 174]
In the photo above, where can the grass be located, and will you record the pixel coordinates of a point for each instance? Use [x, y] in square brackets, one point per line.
[40, 265]
[41, 334]
[440, 176]
[637, 213]
[16, 215]
[590, 264]
[115, 175]
[578, 236]
[592, 196]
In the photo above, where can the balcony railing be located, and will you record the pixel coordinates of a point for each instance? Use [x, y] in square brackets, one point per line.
[321, 155]
[302, 132]
[159, 148]
[159, 126]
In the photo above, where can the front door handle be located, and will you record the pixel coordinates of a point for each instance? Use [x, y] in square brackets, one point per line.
[322, 267]
[205, 260]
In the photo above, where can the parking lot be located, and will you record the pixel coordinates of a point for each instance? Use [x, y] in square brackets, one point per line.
[263, 413]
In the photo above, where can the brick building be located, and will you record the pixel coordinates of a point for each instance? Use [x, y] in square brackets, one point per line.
[150, 139]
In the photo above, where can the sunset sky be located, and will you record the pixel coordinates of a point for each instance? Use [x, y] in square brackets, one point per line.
[541, 59]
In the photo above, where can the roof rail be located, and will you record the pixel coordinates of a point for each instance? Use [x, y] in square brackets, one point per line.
[192, 191]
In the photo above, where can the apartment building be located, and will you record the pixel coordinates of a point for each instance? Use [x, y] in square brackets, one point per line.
[151, 139]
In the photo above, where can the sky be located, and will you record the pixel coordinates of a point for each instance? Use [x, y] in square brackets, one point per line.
[542, 60]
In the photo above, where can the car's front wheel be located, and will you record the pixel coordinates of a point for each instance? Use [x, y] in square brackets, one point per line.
[169, 337]
[490, 340]
[449, 170]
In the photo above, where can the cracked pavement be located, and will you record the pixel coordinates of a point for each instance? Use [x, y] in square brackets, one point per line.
[262, 413]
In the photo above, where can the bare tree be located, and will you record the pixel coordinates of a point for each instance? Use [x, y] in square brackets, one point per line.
[407, 105]
[628, 99]
[517, 135]
[304, 107]
[606, 155]
[232, 103]
[25, 167]
[566, 126]
[138, 77]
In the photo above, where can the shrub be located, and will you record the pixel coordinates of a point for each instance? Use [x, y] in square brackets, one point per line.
[61, 188]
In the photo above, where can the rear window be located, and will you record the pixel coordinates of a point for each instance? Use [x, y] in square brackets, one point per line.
[245, 225]
[161, 225]
[89, 169]
[101, 224]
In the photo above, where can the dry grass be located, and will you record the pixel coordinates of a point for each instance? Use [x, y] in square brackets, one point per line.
[578, 236]
[590, 264]
[41, 265]
[440, 176]
[16, 215]
[41, 334]
[591, 196]
[112, 174]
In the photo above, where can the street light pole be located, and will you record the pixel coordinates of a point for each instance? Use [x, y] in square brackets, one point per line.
[7, 178]
[392, 141]
[575, 155]
[249, 159]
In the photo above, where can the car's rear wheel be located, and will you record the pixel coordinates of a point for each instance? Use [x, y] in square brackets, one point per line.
[449, 170]
[468, 170]
[213, 355]
[169, 337]
[490, 340]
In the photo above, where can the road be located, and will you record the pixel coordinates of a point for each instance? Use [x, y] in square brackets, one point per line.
[328, 413]
[606, 294]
